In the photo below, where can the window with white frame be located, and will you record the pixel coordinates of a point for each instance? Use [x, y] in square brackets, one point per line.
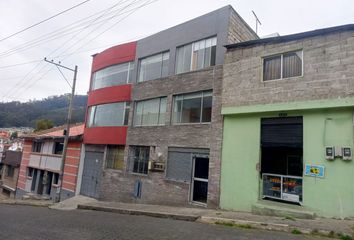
[150, 112]
[111, 76]
[192, 107]
[111, 114]
[196, 55]
[283, 65]
[154, 67]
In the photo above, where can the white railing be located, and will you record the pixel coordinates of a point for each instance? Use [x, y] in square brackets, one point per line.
[282, 187]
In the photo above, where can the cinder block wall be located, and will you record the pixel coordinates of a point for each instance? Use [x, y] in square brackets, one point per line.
[328, 72]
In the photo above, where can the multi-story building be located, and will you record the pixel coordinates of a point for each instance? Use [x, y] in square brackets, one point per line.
[154, 125]
[41, 164]
[288, 107]
[10, 168]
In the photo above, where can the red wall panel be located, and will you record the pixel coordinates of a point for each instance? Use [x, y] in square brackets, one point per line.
[106, 135]
[121, 93]
[114, 55]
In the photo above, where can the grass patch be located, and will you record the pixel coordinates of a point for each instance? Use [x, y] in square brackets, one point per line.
[230, 224]
[345, 237]
[289, 218]
[296, 231]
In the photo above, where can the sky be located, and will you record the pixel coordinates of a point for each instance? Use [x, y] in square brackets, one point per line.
[96, 25]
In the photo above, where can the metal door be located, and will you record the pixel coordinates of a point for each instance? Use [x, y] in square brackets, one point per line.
[200, 179]
[91, 175]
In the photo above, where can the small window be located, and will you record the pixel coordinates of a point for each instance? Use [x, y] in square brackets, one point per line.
[112, 76]
[154, 67]
[192, 107]
[139, 158]
[281, 66]
[37, 147]
[150, 112]
[58, 148]
[10, 171]
[197, 55]
[111, 114]
[115, 157]
[55, 179]
[30, 172]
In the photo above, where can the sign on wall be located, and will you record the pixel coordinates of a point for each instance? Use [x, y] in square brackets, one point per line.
[314, 170]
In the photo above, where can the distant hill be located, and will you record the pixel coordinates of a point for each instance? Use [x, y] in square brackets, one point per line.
[17, 114]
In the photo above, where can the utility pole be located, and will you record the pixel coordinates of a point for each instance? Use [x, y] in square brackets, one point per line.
[68, 121]
[257, 21]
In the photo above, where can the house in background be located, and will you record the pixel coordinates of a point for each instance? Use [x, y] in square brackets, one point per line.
[41, 162]
[154, 121]
[288, 106]
[10, 168]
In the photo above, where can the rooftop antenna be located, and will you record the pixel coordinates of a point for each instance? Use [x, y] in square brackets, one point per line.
[257, 21]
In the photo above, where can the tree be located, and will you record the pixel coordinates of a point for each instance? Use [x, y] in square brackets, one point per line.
[14, 135]
[43, 124]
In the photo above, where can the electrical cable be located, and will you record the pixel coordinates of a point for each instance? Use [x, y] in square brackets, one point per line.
[45, 20]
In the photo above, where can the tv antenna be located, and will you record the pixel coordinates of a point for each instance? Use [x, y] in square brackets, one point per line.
[257, 21]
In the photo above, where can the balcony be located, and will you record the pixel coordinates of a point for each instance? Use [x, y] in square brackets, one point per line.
[45, 161]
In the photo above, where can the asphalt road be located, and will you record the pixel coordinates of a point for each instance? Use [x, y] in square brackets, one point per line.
[25, 222]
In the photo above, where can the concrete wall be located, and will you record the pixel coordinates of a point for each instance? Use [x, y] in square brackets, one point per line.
[331, 196]
[328, 72]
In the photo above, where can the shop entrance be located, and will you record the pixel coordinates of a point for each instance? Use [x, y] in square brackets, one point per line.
[281, 158]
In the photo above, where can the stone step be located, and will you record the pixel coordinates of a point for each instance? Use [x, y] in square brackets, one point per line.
[271, 208]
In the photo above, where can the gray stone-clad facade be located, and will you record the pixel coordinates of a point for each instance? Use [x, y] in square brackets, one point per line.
[328, 71]
[119, 185]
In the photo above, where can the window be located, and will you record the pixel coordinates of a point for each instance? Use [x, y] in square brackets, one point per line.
[58, 148]
[111, 114]
[37, 147]
[150, 112]
[30, 172]
[112, 76]
[10, 171]
[285, 65]
[115, 157]
[197, 55]
[154, 67]
[192, 107]
[139, 157]
[55, 179]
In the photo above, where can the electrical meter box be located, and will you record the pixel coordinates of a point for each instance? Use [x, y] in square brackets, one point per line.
[347, 153]
[330, 151]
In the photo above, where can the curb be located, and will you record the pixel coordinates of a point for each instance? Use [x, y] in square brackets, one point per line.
[34, 204]
[174, 216]
[265, 226]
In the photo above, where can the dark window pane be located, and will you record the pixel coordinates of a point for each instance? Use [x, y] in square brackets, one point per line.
[207, 106]
[292, 64]
[213, 56]
[191, 108]
[272, 68]
[140, 159]
[58, 148]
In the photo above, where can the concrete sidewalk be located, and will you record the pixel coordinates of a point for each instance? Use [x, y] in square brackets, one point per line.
[319, 226]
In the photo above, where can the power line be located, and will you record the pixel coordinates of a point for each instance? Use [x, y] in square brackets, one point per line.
[59, 33]
[45, 20]
[131, 11]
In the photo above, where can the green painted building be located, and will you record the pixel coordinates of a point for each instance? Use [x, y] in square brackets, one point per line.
[288, 107]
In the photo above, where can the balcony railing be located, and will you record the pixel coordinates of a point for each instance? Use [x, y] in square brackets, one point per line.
[282, 187]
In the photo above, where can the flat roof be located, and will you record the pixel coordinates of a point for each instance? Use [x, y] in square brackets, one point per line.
[291, 37]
